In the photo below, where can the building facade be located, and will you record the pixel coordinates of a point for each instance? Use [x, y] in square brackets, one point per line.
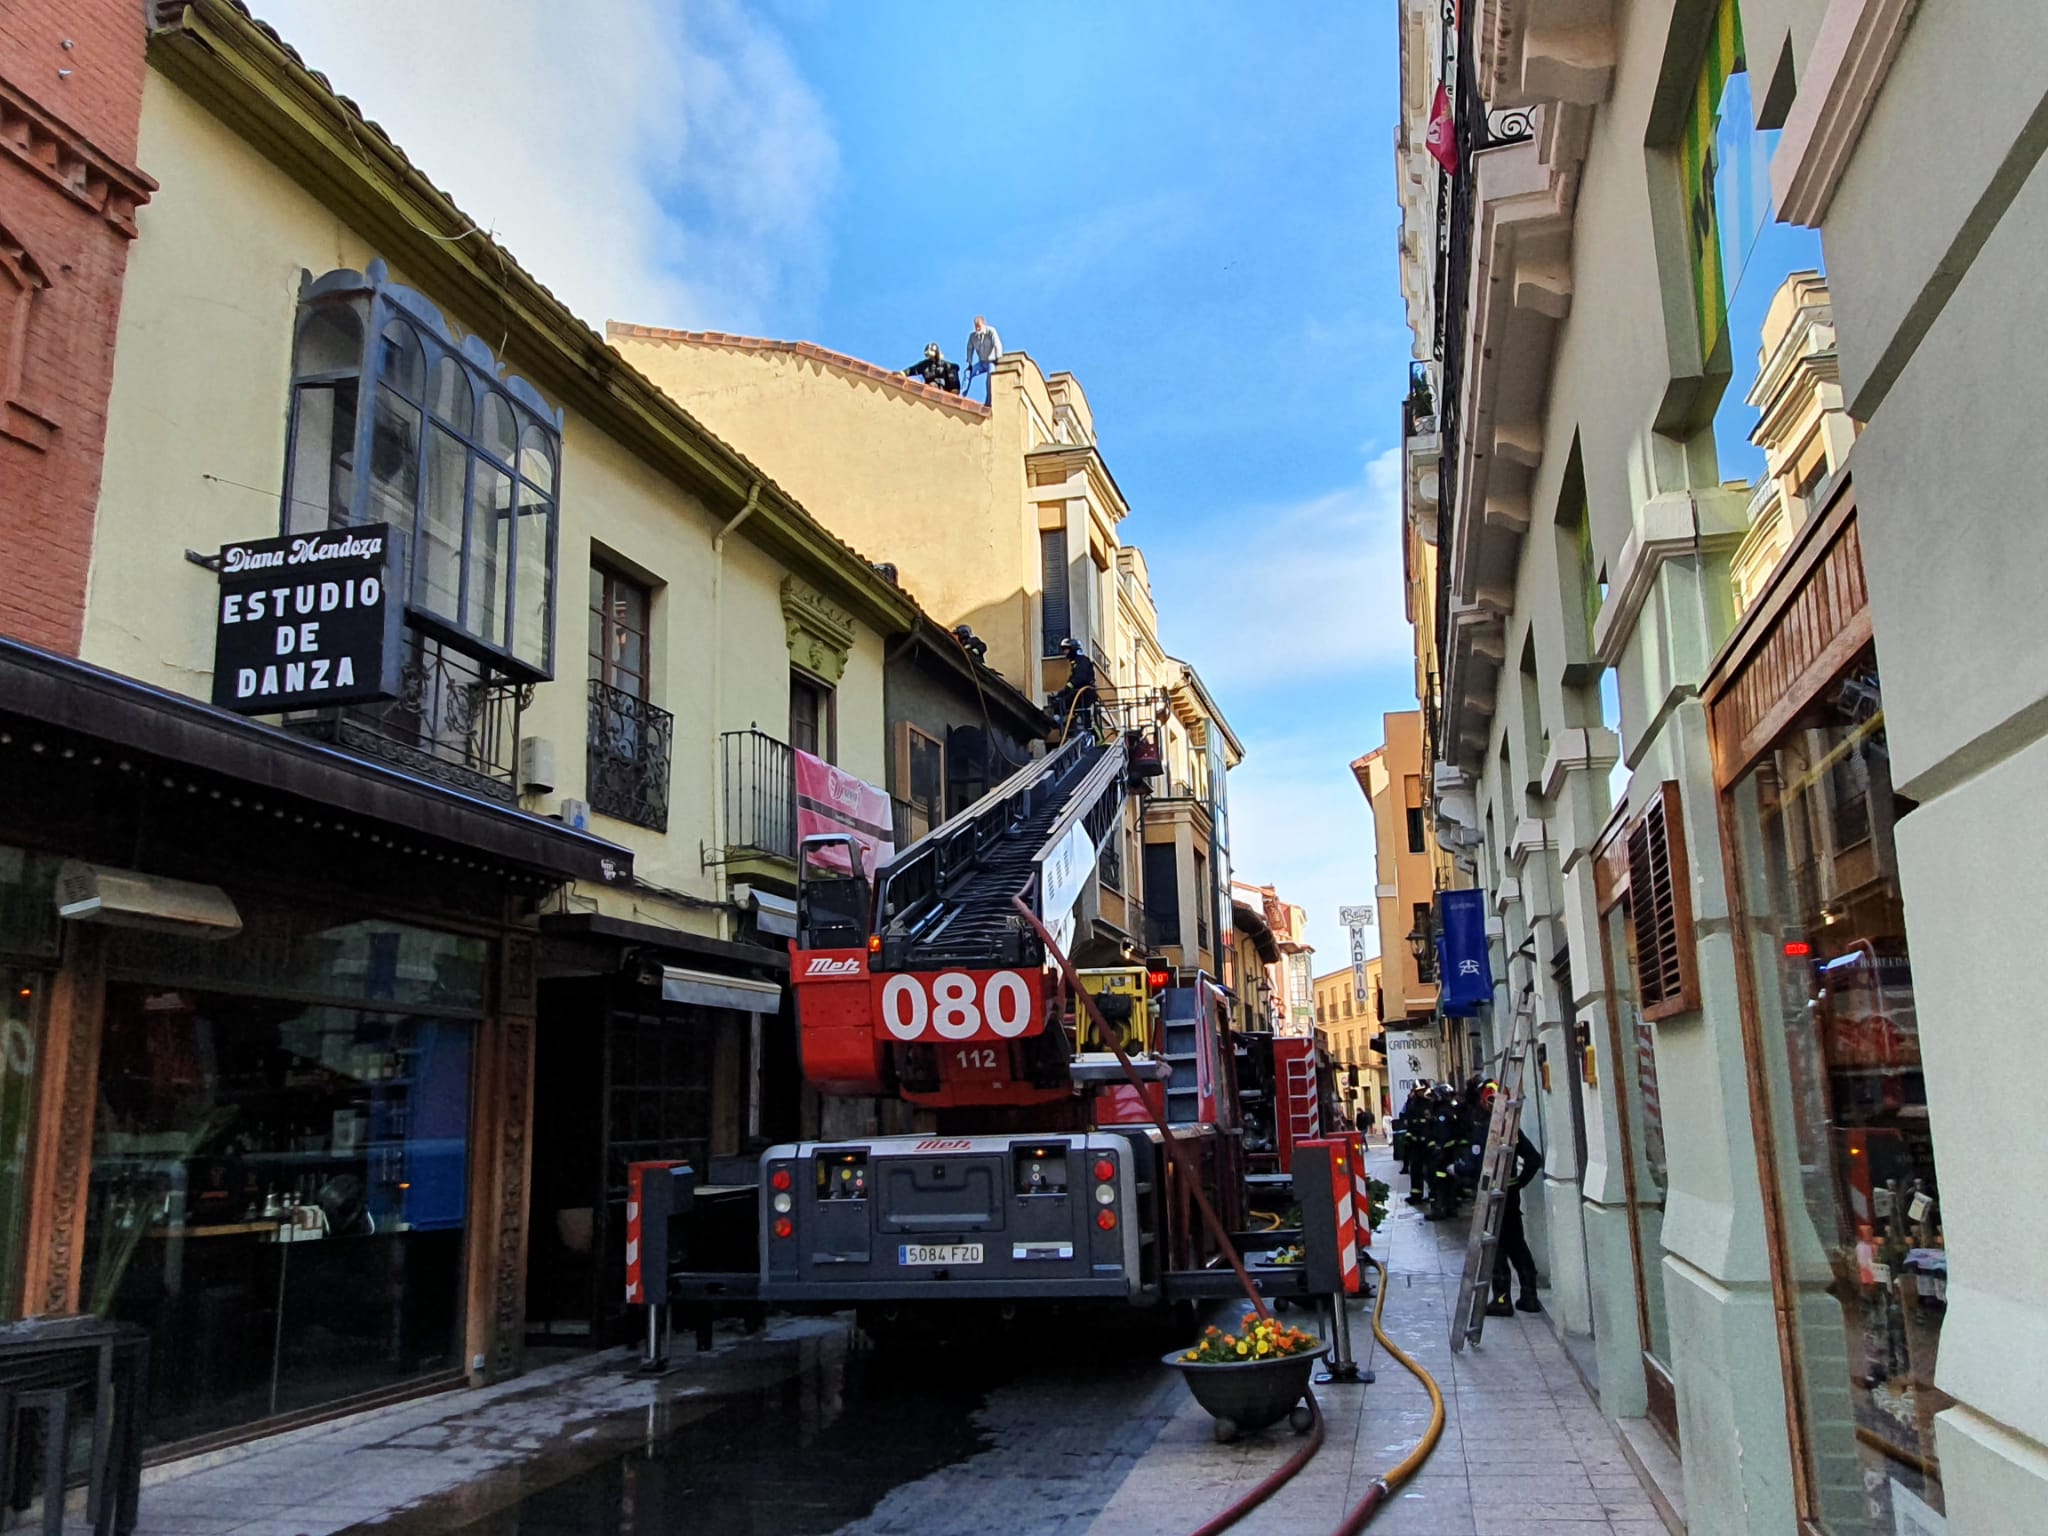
[1713, 719]
[1347, 1024]
[346, 976]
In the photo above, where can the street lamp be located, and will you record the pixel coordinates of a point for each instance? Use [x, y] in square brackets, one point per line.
[1422, 942]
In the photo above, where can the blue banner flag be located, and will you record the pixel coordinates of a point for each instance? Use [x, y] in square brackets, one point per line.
[1466, 978]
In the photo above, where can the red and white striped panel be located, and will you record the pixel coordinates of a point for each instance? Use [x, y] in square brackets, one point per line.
[1361, 1192]
[1348, 1214]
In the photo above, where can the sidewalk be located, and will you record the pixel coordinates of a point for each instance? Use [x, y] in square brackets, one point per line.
[466, 1453]
[1524, 1450]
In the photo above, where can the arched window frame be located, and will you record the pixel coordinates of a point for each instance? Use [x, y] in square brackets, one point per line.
[490, 610]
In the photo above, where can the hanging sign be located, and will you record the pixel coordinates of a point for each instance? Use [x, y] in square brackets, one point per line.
[307, 621]
[1461, 952]
[1357, 919]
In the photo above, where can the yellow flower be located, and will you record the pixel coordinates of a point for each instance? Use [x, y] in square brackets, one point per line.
[1264, 1347]
[1241, 1349]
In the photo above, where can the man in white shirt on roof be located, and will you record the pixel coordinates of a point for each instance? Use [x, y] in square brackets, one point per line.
[984, 347]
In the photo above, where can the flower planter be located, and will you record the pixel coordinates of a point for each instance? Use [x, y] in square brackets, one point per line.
[1248, 1395]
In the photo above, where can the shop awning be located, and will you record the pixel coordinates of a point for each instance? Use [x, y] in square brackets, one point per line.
[85, 705]
[1251, 922]
[772, 914]
[712, 991]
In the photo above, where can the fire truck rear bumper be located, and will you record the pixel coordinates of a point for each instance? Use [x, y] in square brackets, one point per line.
[847, 1292]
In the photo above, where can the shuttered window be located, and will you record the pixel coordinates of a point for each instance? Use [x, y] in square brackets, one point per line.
[1660, 909]
[1054, 610]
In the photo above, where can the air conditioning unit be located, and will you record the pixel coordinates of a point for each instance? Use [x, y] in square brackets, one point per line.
[536, 765]
[126, 898]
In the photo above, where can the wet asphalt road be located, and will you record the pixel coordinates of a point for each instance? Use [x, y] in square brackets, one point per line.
[1011, 1433]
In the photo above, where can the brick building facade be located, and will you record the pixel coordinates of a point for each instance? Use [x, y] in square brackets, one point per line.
[70, 101]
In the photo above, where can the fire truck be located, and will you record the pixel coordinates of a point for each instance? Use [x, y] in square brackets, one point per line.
[1042, 1175]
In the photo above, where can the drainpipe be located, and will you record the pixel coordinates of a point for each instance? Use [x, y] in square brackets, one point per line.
[715, 736]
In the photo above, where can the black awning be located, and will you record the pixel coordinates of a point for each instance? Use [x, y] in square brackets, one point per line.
[1252, 923]
[59, 693]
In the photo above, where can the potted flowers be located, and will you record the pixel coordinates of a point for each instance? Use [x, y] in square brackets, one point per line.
[1252, 1377]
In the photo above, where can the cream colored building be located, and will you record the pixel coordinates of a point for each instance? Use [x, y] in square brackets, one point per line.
[1717, 738]
[1002, 516]
[610, 628]
[1345, 1027]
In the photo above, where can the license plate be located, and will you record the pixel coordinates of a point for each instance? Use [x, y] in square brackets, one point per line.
[938, 1253]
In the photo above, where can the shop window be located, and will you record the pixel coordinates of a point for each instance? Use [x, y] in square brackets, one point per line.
[21, 994]
[394, 420]
[1860, 1249]
[279, 1195]
[1660, 886]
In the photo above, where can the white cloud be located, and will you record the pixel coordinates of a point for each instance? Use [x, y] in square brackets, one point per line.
[647, 160]
[1309, 590]
[1299, 823]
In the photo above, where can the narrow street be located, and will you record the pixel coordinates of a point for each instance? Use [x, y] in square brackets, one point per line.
[1054, 1431]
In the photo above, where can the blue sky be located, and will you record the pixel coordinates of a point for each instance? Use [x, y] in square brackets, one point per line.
[1190, 206]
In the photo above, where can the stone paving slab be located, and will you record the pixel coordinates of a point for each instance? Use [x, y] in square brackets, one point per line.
[1524, 1448]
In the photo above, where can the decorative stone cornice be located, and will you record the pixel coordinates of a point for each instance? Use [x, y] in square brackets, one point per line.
[820, 632]
[65, 158]
[1674, 526]
[1852, 52]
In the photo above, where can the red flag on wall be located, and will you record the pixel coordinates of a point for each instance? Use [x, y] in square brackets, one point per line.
[1443, 137]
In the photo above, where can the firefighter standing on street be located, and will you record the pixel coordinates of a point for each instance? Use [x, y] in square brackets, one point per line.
[1512, 1251]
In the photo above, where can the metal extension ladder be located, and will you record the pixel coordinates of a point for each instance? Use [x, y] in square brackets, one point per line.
[1496, 1172]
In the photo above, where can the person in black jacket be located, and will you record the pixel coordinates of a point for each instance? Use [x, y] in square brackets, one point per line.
[1512, 1251]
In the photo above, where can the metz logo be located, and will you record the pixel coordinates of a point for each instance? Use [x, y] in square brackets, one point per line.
[820, 966]
[944, 1145]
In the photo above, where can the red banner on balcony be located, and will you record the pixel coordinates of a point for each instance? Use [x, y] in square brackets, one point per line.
[829, 800]
[1443, 133]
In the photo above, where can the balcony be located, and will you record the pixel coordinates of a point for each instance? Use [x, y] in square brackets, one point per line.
[630, 741]
[455, 722]
[760, 801]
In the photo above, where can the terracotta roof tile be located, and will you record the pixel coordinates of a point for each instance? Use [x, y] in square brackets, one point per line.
[901, 382]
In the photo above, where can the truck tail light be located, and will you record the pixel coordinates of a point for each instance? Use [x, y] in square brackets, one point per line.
[1106, 1219]
[1105, 1170]
[784, 1227]
[780, 1180]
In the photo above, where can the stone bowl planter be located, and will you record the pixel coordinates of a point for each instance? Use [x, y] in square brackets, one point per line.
[1248, 1395]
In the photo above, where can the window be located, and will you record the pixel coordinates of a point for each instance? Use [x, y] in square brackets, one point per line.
[1415, 842]
[1862, 1247]
[393, 420]
[1425, 963]
[619, 609]
[629, 738]
[1201, 901]
[1109, 865]
[1055, 614]
[810, 715]
[921, 778]
[1162, 894]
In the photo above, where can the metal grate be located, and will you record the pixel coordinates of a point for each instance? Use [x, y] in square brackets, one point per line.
[1660, 910]
[760, 794]
[455, 722]
[630, 741]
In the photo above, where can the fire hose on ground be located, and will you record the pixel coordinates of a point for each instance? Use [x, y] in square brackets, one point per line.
[1381, 1486]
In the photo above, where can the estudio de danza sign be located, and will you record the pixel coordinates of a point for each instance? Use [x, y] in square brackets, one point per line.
[306, 621]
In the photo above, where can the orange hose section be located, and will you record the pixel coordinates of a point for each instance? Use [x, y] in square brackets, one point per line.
[1280, 1475]
[1384, 1485]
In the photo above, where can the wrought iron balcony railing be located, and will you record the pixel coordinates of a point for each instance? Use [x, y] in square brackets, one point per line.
[630, 742]
[760, 794]
[455, 722]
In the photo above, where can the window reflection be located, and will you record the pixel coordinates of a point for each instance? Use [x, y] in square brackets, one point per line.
[1863, 1247]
